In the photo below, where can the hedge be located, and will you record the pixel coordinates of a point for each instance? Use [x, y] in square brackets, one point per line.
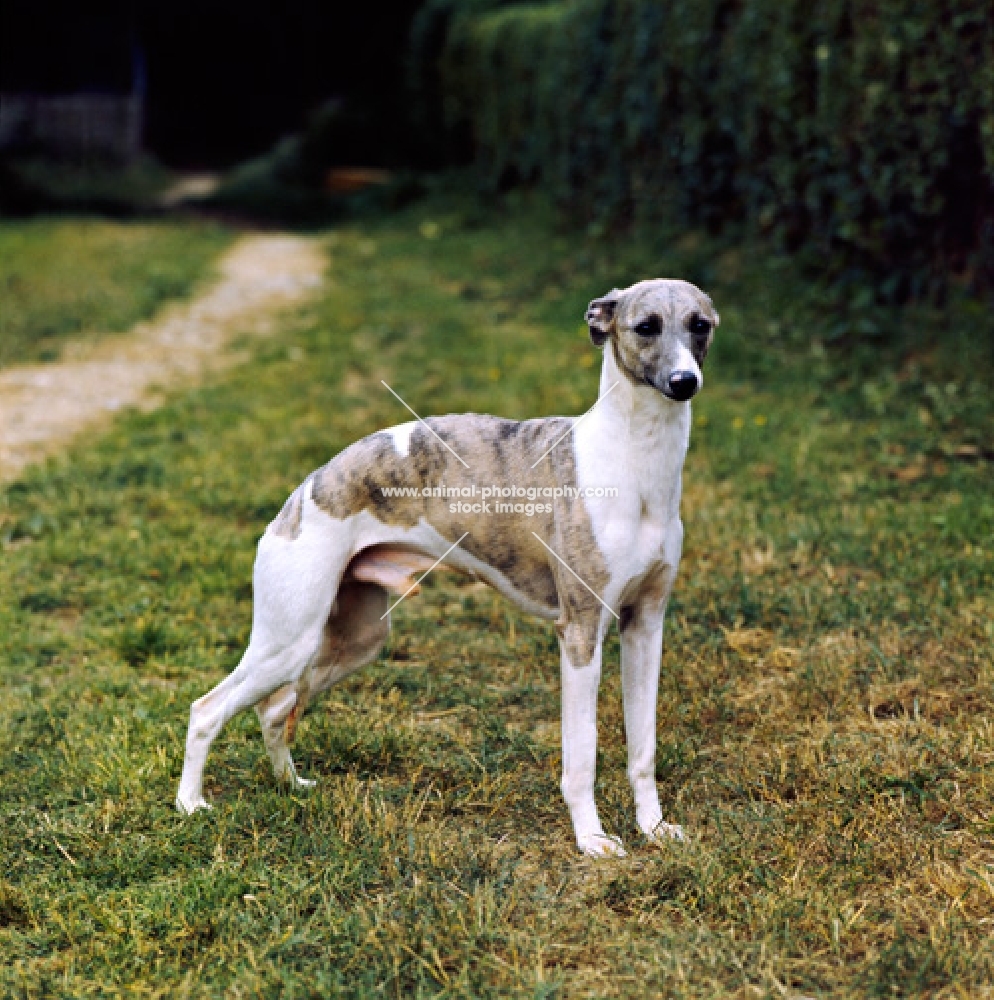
[858, 131]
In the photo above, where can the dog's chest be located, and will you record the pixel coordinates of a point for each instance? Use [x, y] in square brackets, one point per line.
[637, 470]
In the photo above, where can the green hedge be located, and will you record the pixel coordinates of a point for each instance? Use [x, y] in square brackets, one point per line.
[859, 131]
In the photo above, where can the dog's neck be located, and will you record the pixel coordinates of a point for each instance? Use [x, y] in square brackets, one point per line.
[635, 438]
[640, 413]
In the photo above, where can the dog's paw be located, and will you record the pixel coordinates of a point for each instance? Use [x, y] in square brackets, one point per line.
[600, 845]
[662, 833]
[189, 807]
[291, 779]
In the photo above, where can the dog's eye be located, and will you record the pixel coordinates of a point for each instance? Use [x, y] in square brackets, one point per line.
[651, 327]
[699, 325]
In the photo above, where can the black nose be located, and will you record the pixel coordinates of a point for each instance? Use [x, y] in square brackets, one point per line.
[683, 385]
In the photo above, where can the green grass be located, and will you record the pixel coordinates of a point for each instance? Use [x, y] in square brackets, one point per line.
[61, 278]
[42, 184]
[826, 698]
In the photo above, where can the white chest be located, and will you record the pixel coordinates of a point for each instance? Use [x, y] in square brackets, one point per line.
[629, 465]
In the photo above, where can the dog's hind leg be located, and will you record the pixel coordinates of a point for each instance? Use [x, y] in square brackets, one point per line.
[353, 635]
[295, 580]
[278, 716]
[260, 673]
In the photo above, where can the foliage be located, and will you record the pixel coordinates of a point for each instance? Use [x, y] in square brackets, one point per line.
[858, 131]
[826, 694]
[439, 142]
[62, 277]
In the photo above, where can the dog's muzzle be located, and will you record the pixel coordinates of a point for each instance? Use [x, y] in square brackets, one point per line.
[681, 386]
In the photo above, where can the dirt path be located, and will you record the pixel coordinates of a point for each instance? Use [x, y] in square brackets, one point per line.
[43, 407]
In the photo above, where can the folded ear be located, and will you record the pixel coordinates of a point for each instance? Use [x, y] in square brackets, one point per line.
[600, 316]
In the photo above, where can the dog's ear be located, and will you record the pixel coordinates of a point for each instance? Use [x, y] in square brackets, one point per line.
[600, 316]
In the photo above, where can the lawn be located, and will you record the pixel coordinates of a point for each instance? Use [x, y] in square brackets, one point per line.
[826, 731]
[61, 278]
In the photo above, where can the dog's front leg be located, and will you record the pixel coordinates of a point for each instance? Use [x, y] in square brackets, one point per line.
[641, 652]
[580, 647]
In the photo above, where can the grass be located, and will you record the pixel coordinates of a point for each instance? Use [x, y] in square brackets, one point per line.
[61, 278]
[35, 184]
[826, 696]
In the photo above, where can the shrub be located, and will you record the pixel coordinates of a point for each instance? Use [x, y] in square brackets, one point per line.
[859, 131]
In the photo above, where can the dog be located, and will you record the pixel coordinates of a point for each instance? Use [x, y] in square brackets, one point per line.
[604, 546]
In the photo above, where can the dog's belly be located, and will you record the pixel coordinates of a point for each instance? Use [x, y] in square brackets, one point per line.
[398, 558]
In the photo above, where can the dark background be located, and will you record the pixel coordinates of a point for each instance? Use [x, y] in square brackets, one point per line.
[223, 80]
[853, 132]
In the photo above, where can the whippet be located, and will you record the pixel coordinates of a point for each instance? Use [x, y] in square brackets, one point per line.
[605, 545]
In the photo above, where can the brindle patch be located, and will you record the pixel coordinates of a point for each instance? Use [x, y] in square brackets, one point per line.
[356, 478]
[645, 596]
[286, 524]
[575, 544]
[579, 641]
[630, 364]
[500, 453]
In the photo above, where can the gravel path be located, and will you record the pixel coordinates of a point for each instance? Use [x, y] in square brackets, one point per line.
[43, 407]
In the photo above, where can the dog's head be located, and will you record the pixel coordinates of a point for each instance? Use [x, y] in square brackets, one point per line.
[660, 332]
